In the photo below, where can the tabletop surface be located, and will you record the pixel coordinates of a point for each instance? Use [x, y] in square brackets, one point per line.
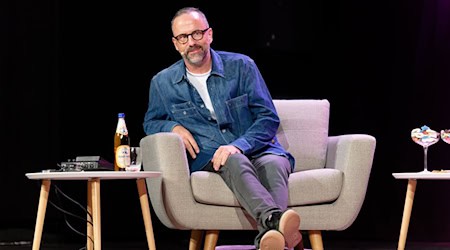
[439, 175]
[86, 175]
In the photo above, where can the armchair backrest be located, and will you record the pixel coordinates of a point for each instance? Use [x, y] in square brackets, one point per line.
[303, 130]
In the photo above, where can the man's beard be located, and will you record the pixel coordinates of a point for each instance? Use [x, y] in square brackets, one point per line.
[197, 57]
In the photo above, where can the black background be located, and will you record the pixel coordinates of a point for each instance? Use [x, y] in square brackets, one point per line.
[68, 67]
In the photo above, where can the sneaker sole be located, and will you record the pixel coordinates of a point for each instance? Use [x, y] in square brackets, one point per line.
[289, 227]
[272, 240]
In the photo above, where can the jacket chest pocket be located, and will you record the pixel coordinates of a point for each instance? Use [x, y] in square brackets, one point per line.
[184, 110]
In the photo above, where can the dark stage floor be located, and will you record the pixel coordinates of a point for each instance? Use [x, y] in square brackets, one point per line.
[167, 245]
[179, 240]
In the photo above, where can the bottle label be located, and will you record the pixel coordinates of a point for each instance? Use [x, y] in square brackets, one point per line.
[122, 130]
[121, 127]
[123, 156]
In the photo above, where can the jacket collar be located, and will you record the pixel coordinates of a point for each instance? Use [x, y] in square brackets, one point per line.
[180, 68]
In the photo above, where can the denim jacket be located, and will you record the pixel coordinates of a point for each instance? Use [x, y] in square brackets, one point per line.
[246, 116]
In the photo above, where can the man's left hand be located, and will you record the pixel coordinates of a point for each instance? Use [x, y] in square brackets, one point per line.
[221, 155]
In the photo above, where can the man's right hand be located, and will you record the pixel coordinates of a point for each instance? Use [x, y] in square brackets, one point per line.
[188, 140]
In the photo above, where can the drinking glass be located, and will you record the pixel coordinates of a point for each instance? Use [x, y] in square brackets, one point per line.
[445, 135]
[425, 137]
[135, 160]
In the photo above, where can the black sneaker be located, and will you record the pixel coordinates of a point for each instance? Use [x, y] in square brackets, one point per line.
[288, 224]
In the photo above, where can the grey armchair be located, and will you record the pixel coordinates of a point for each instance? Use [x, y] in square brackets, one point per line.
[327, 188]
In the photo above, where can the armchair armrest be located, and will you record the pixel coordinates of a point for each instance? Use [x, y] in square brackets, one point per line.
[165, 152]
[345, 151]
[353, 154]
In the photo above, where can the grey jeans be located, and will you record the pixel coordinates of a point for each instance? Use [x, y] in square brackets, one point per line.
[260, 185]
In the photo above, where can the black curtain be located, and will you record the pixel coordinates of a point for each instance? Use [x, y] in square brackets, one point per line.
[29, 101]
[68, 68]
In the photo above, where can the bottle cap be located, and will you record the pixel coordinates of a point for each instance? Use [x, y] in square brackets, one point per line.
[121, 115]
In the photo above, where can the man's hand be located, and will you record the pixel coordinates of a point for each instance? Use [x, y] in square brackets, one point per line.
[221, 155]
[188, 139]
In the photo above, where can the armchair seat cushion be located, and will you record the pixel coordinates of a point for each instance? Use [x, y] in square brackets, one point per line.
[307, 187]
[315, 186]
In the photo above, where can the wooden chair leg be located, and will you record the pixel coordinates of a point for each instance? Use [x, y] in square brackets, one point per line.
[315, 238]
[196, 240]
[211, 239]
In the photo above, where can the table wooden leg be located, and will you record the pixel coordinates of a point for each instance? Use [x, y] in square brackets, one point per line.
[411, 190]
[96, 213]
[43, 198]
[145, 207]
[90, 230]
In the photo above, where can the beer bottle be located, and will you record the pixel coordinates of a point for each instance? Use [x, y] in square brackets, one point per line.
[121, 145]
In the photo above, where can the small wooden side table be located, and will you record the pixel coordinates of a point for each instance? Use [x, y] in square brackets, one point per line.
[410, 191]
[93, 201]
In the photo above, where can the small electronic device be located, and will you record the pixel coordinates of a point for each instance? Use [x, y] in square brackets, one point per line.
[86, 163]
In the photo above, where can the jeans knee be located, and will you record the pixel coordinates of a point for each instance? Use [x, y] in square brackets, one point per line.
[236, 163]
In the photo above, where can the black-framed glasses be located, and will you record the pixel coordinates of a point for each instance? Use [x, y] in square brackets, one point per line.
[196, 35]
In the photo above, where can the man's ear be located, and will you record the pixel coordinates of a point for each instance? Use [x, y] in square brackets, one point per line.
[174, 41]
[210, 35]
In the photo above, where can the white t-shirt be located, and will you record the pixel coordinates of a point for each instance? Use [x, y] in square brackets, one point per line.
[199, 82]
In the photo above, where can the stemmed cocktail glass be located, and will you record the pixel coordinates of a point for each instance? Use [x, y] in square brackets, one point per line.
[445, 135]
[425, 137]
